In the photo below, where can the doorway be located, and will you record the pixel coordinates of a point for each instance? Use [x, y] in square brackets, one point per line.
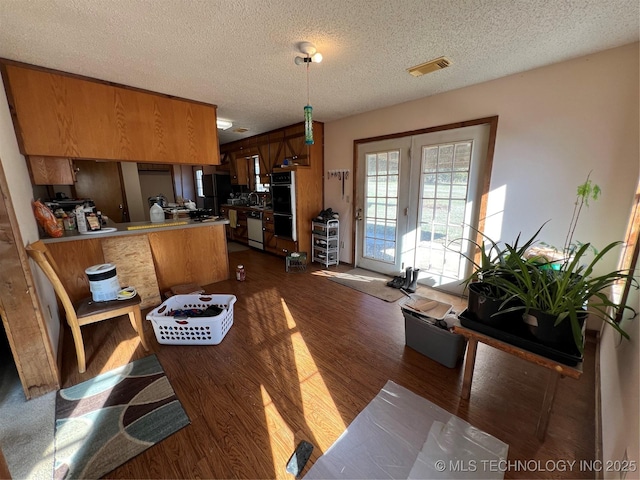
[102, 183]
[419, 198]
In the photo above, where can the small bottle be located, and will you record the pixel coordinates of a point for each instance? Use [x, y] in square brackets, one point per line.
[240, 273]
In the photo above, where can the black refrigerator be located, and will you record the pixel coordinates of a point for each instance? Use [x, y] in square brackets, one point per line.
[217, 189]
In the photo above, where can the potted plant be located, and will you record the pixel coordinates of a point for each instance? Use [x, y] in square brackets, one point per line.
[557, 298]
[489, 302]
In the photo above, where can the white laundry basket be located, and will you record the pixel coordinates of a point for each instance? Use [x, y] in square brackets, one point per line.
[183, 330]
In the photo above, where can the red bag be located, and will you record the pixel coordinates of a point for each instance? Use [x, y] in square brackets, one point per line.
[47, 219]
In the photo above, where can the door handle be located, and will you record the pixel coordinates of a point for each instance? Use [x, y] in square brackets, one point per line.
[358, 214]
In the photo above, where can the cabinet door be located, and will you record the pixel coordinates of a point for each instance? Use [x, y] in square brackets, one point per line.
[295, 148]
[262, 145]
[270, 240]
[240, 233]
[239, 170]
[286, 246]
[64, 116]
[276, 148]
[51, 170]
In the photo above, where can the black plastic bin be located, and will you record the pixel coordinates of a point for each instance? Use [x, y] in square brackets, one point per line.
[436, 343]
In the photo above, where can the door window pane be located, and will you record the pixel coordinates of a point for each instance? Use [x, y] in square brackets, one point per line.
[381, 200]
[445, 179]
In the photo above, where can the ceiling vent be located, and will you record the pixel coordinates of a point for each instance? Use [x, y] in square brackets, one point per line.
[428, 67]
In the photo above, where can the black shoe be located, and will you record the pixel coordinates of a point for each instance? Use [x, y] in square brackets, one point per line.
[407, 278]
[397, 282]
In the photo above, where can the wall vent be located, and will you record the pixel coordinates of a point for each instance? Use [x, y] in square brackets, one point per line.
[428, 67]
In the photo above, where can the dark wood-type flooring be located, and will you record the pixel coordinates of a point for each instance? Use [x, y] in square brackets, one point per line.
[305, 355]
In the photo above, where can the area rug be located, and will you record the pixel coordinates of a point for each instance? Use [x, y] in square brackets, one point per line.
[371, 283]
[105, 421]
[402, 435]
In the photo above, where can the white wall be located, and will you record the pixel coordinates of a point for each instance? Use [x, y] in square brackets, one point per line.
[21, 194]
[555, 125]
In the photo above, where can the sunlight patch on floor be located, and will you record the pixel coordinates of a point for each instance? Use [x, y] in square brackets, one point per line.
[320, 412]
[281, 437]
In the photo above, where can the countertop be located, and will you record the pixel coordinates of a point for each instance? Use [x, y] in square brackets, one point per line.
[135, 228]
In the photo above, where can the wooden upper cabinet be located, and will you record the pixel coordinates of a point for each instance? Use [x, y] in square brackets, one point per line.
[295, 148]
[51, 170]
[58, 115]
[276, 148]
[262, 144]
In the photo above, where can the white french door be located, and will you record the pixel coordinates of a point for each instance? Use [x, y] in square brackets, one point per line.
[383, 187]
[419, 213]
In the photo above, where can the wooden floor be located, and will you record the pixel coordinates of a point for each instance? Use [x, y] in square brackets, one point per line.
[305, 355]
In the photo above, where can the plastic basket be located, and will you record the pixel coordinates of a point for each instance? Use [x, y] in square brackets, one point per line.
[170, 330]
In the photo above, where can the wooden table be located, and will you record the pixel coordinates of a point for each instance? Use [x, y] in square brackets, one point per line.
[557, 370]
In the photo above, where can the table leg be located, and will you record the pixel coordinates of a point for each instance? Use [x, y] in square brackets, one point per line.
[547, 405]
[469, 365]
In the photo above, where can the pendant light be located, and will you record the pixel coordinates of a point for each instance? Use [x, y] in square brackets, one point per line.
[311, 55]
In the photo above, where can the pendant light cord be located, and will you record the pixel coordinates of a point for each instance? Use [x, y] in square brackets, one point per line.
[308, 102]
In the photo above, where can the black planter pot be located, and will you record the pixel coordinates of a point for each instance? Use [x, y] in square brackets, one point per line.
[484, 307]
[548, 333]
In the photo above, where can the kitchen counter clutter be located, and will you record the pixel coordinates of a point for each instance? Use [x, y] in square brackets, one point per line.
[133, 228]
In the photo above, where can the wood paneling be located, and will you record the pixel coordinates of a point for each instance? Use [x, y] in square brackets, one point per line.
[194, 255]
[51, 170]
[304, 357]
[181, 255]
[57, 114]
[20, 308]
[134, 266]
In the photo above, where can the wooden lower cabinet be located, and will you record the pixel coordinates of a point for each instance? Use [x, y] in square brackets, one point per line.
[285, 246]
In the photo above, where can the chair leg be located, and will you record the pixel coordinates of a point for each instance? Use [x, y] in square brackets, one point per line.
[135, 316]
[77, 340]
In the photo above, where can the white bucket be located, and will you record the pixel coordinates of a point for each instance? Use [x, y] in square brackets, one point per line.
[103, 282]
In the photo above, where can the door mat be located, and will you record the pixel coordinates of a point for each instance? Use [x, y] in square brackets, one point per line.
[402, 435]
[371, 283]
[105, 421]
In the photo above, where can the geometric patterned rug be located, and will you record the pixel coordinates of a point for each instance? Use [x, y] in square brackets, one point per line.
[103, 422]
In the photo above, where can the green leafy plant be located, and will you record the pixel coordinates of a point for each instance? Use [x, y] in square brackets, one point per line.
[564, 293]
[585, 192]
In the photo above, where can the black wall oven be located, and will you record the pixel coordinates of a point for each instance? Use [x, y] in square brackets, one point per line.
[283, 200]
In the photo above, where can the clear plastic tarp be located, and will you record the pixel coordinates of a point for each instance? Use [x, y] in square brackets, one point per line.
[401, 435]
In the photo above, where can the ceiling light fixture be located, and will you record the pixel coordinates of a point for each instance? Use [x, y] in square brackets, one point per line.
[311, 56]
[223, 124]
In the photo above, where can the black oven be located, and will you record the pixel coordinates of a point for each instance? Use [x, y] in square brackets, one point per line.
[283, 200]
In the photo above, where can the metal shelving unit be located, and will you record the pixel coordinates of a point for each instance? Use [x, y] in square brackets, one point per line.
[325, 239]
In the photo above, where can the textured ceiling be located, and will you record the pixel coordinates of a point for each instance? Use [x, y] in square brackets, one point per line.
[239, 54]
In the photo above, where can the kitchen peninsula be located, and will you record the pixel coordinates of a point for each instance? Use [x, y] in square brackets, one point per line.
[181, 252]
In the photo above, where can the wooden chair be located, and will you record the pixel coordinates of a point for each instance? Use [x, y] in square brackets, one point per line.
[85, 311]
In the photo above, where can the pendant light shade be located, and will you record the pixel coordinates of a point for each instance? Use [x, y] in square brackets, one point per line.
[308, 125]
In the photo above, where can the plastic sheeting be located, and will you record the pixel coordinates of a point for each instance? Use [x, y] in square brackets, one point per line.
[402, 435]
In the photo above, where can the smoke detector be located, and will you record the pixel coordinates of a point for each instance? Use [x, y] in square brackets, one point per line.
[430, 66]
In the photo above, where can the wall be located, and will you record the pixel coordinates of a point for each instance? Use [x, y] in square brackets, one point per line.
[21, 194]
[155, 183]
[137, 209]
[556, 123]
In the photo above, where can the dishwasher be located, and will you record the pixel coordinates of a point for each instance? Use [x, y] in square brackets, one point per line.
[254, 229]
